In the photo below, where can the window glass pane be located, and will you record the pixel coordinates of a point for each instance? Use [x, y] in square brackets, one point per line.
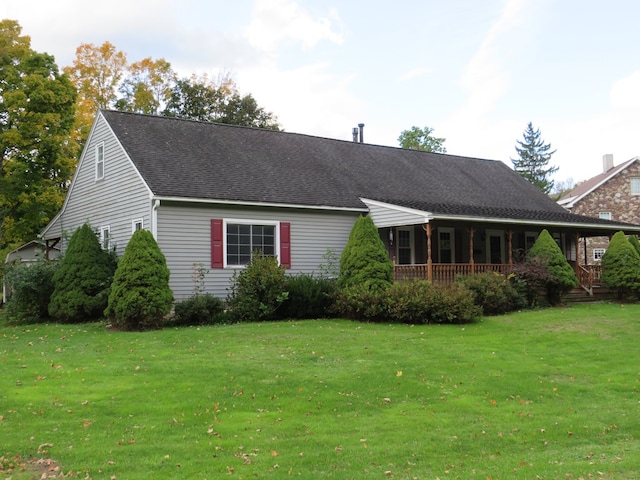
[635, 185]
[243, 240]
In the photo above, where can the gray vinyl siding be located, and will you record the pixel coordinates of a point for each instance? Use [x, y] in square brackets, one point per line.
[184, 235]
[115, 201]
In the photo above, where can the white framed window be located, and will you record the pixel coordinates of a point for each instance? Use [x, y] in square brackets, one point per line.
[99, 161]
[598, 253]
[243, 238]
[105, 237]
[635, 185]
[136, 225]
[605, 215]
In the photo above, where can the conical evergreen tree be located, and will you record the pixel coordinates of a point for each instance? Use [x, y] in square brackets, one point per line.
[82, 282]
[140, 296]
[535, 156]
[621, 266]
[562, 278]
[364, 260]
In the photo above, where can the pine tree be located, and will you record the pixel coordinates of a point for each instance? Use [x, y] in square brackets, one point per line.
[364, 260]
[621, 266]
[140, 295]
[82, 282]
[533, 163]
[561, 277]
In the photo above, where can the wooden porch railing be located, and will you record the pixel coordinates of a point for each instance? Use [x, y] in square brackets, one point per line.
[588, 275]
[446, 272]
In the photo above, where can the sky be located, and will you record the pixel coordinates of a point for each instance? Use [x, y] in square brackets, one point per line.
[475, 71]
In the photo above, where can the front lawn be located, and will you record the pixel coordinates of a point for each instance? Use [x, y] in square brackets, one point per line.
[543, 394]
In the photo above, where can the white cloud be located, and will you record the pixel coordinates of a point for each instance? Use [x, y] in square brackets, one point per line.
[625, 93]
[414, 73]
[274, 21]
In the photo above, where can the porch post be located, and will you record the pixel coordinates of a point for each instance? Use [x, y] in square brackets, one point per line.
[471, 262]
[576, 267]
[510, 246]
[584, 247]
[427, 229]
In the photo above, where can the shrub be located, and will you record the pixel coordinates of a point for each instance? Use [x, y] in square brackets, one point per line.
[199, 309]
[417, 302]
[257, 291]
[530, 279]
[83, 279]
[621, 266]
[561, 278]
[309, 297]
[493, 292]
[364, 260]
[140, 296]
[422, 302]
[30, 287]
[360, 302]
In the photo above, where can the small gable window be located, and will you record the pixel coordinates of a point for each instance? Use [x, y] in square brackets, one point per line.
[100, 161]
[136, 225]
[233, 242]
[605, 215]
[635, 185]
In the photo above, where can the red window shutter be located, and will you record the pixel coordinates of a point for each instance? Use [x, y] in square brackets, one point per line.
[285, 244]
[217, 260]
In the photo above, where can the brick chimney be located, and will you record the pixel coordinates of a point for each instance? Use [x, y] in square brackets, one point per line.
[607, 162]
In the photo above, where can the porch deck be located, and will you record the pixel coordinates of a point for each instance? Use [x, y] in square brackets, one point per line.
[588, 275]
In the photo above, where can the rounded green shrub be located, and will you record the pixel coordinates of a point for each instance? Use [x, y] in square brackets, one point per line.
[364, 260]
[561, 277]
[140, 296]
[309, 297]
[493, 292]
[200, 309]
[621, 266]
[635, 243]
[83, 279]
[257, 291]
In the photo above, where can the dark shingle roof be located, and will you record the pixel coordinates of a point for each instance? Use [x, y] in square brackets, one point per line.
[182, 158]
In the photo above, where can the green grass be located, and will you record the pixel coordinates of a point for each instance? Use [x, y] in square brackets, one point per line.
[543, 394]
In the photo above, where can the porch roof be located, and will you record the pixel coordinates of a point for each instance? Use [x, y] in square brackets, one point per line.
[395, 212]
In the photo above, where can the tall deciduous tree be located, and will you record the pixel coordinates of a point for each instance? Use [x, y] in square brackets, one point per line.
[534, 157]
[200, 98]
[36, 116]
[147, 86]
[97, 73]
[417, 138]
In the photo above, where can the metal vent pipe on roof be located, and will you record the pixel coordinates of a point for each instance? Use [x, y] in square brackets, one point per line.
[354, 132]
[361, 127]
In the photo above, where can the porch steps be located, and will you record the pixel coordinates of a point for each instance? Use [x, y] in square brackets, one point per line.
[580, 295]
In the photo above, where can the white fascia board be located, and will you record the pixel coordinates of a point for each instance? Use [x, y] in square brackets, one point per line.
[257, 204]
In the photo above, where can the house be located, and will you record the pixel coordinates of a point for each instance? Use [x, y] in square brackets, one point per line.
[211, 194]
[614, 195]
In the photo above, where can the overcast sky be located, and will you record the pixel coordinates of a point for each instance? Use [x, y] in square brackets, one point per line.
[477, 71]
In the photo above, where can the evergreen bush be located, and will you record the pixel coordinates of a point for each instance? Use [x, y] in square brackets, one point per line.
[30, 288]
[360, 302]
[633, 240]
[258, 290]
[561, 277]
[83, 279]
[140, 296]
[621, 267]
[309, 297]
[364, 260]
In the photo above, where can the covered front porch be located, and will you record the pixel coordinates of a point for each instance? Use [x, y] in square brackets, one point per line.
[440, 252]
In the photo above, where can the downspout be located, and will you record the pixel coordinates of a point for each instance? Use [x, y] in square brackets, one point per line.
[154, 218]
